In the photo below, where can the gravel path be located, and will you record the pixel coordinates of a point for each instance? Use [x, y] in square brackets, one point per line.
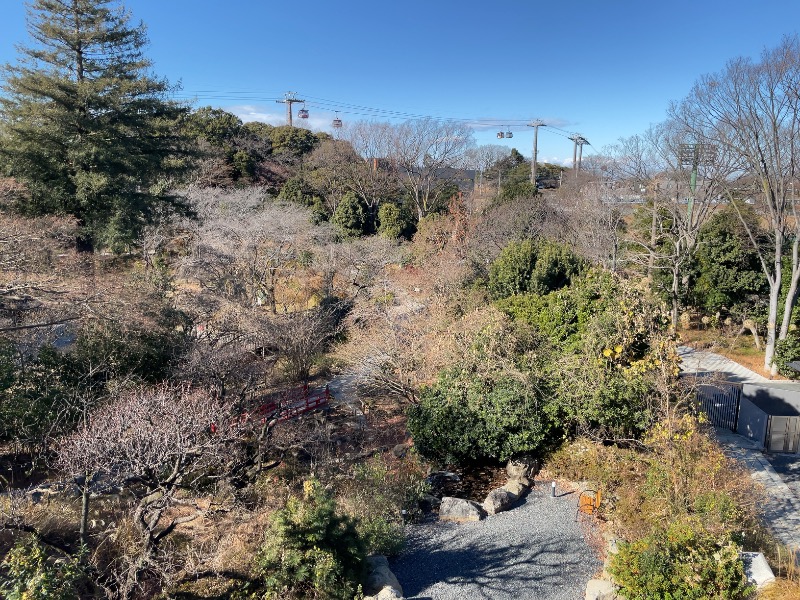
[534, 552]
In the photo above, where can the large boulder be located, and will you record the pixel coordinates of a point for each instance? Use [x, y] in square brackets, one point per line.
[522, 470]
[499, 500]
[600, 589]
[516, 487]
[460, 510]
[439, 478]
[757, 569]
[387, 593]
[381, 583]
[428, 502]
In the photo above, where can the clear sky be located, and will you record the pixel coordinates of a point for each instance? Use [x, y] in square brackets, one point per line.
[603, 69]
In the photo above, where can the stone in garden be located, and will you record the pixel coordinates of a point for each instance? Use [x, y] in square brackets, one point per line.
[517, 488]
[460, 510]
[522, 470]
[428, 502]
[757, 569]
[600, 589]
[400, 451]
[387, 593]
[498, 500]
[439, 476]
[381, 583]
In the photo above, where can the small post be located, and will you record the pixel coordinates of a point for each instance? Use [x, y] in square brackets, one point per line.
[553, 490]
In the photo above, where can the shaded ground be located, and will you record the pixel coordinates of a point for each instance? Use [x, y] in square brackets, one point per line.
[788, 467]
[537, 550]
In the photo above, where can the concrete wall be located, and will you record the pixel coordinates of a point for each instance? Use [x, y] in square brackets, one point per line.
[773, 400]
[752, 421]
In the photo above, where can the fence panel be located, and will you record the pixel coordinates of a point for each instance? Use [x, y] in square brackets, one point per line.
[720, 403]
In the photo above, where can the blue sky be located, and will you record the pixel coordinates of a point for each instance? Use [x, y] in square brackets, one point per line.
[603, 69]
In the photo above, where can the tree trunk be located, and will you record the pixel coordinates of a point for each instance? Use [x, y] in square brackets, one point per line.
[791, 296]
[84, 509]
[651, 261]
[674, 293]
[774, 292]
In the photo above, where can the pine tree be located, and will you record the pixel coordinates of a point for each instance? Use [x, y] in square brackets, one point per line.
[85, 125]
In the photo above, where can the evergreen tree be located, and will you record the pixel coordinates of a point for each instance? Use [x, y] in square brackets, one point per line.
[85, 125]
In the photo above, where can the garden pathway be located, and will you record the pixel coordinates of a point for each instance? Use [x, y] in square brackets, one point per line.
[536, 550]
[782, 486]
[782, 508]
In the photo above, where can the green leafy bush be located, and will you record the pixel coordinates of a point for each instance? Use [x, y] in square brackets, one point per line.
[350, 216]
[536, 267]
[394, 221]
[786, 351]
[604, 351]
[468, 416]
[310, 550]
[726, 268]
[29, 574]
[683, 562]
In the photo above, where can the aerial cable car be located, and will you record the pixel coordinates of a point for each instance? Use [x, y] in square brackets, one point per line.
[303, 112]
[337, 122]
[500, 135]
[508, 133]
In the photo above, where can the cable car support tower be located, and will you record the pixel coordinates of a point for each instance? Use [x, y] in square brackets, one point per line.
[288, 99]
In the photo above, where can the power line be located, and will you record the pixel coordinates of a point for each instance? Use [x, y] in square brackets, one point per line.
[363, 111]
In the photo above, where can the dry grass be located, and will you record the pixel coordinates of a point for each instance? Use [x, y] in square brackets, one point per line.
[781, 589]
[725, 342]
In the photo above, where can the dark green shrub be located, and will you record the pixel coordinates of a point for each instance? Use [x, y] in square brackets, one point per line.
[511, 272]
[465, 416]
[28, 574]
[350, 216]
[727, 270]
[681, 563]
[393, 221]
[535, 267]
[787, 351]
[297, 190]
[311, 551]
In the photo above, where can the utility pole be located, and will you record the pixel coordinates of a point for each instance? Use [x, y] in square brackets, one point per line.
[577, 156]
[535, 124]
[694, 156]
[288, 99]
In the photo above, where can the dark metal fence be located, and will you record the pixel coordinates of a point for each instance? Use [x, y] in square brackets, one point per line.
[720, 403]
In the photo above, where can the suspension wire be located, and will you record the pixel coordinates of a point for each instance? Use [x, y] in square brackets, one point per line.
[360, 110]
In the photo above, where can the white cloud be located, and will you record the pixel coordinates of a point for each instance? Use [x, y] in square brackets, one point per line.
[555, 160]
[249, 113]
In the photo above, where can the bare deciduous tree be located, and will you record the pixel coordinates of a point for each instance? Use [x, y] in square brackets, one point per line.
[155, 442]
[752, 109]
[654, 163]
[484, 156]
[426, 153]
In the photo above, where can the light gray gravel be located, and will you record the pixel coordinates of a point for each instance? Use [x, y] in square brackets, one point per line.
[535, 551]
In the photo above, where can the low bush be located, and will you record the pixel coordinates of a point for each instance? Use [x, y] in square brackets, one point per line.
[682, 562]
[29, 574]
[311, 550]
[382, 497]
[787, 351]
[466, 416]
[678, 473]
[535, 267]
